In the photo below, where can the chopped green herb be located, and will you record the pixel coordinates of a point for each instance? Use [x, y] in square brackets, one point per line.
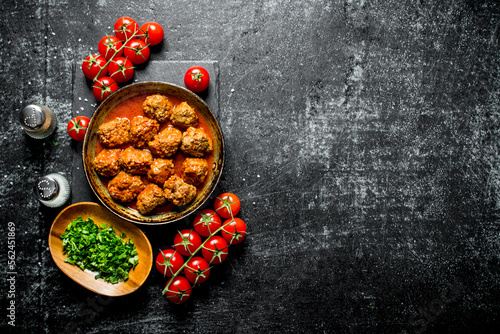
[98, 248]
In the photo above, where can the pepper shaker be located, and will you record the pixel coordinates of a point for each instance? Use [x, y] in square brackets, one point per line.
[52, 190]
[38, 121]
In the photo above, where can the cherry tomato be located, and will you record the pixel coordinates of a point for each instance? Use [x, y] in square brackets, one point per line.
[215, 250]
[197, 270]
[168, 262]
[110, 46]
[136, 51]
[187, 242]
[125, 27]
[206, 222]
[77, 127]
[152, 33]
[93, 64]
[196, 79]
[227, 203]
[104, 87]
[179, 290]
[234, 231]
[121, 69]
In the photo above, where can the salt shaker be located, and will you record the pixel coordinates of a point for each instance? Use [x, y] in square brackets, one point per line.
[52, 190]
[38, 121]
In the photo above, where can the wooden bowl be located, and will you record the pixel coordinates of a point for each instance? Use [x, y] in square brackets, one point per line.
[90, 143]
[99, 214]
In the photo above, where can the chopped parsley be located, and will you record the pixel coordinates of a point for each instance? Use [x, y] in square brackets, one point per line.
[98, 248]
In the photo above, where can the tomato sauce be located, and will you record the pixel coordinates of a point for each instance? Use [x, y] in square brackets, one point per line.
[132, 108]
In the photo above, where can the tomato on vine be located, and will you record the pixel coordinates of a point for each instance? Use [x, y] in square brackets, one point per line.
[125, 27]
[186, 242]
[110, 46]
[121, 69]
[93, 64]
[168, 262]
[197, 270]
[77, 127]
[215, 250]
[206, 222]
[234, 231]
[227, 205]
[104, 87]
[152, 33]
[196, 79]
[137, 51]
[178, 290]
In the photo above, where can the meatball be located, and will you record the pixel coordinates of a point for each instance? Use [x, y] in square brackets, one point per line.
[194, 170]
[136, 161]
[178, 192]
[161, 170]
[158, 107]
[114, 133]
[142, 130]
[166, 143]
[107, 162]
[196, 143]
[125, 187]
[184, 116]
[150, 198]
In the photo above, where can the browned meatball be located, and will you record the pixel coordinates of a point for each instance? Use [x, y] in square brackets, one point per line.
[194, 170]
[158, 107]
[142, 130]
[125, 187]
[178, 192]
[161, 170]
[196, 143]
[184, 116]
[150, 198]
[107, 162]
[114, 133]
[166, 143]
[136, 161]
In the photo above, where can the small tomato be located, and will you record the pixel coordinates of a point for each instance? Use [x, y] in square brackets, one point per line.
[77, 127]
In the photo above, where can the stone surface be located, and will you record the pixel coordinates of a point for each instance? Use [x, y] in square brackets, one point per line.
[362, 138]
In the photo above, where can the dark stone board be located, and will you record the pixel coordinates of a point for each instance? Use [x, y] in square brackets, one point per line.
[84, 104]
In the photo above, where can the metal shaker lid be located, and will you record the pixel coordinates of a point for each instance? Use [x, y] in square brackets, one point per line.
[46, 188]
[32, 117]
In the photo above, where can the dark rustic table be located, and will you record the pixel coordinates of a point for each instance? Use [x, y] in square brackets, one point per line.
[362, 138]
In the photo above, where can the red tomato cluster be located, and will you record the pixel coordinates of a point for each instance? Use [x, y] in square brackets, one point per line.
[119, 53]
[204, 237]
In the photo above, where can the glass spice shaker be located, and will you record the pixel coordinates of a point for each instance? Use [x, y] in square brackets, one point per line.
[52, 190]
[38, 121]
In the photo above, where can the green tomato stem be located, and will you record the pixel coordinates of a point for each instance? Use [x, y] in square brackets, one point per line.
[111, 59]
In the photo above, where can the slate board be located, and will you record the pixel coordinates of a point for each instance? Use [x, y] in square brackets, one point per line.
[84, 104]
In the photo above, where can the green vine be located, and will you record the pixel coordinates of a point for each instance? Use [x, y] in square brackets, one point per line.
[110, 60]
